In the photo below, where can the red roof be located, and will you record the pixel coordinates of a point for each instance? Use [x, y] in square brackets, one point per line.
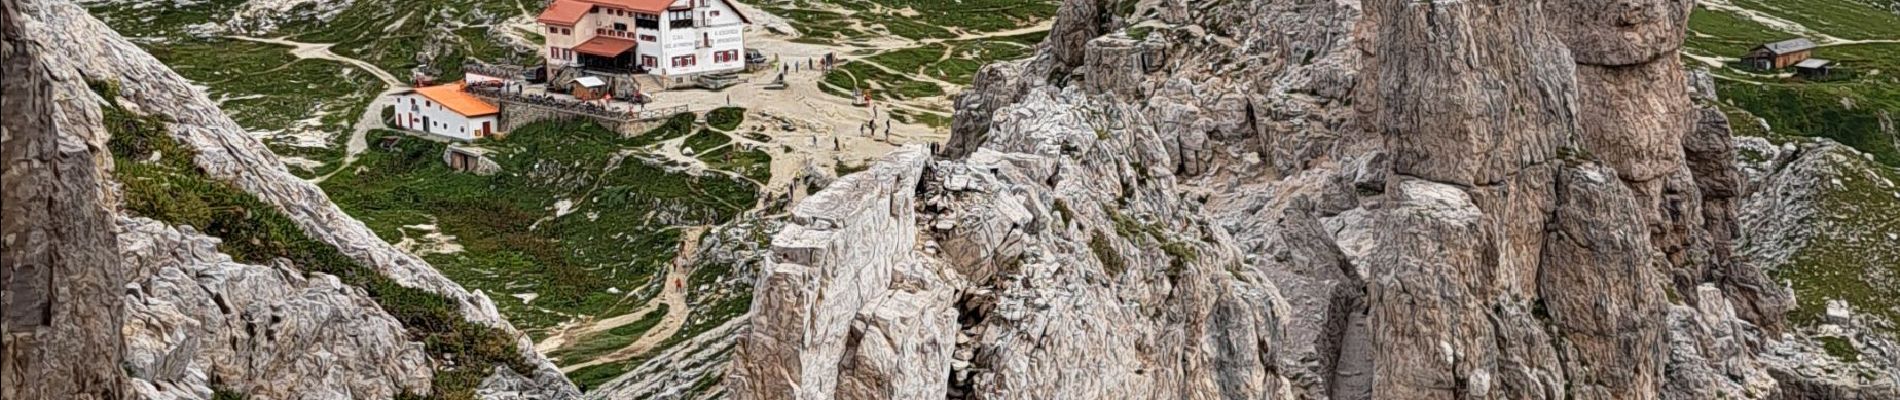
[565, 12]
[452, 97]
[649, 6]
[605, 46]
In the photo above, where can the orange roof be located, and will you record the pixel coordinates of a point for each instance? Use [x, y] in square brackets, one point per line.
[605, 46]
[565, 12]
[452, 96]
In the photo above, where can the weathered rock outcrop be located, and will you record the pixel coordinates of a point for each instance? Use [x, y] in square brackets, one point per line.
[59, 281]
[195, 319]
[1302, 199]
[112, 306]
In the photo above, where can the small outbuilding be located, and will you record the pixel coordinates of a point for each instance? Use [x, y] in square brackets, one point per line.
[446, 110]
[1780, 54]
[1814, 68]
[590, 88]
[470, 159]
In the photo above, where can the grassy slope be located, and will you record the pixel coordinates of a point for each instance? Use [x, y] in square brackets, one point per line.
[617, 236]
[266, 89]
[1854, 259]
[1847, 109]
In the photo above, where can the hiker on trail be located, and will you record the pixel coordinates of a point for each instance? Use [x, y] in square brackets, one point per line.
[835, 144]
[728, 99]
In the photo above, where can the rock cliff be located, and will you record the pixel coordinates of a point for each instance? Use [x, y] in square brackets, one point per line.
[1307, 199]
[104, 303]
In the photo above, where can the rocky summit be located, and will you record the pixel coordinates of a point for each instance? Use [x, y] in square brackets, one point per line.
[1311, 200]
[1155, 199]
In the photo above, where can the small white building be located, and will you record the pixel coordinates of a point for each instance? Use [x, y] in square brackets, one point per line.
[445, 110]
[675, 39]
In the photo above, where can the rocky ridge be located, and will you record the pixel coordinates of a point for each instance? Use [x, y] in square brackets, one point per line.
[1301, 199]
[194, 322]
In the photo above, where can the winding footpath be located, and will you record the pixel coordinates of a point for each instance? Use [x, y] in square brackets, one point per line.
[371, 119]
[672, 294]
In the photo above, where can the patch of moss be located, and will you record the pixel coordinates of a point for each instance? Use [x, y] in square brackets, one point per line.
[591, 377]
[1112, 261]
[1840, 348]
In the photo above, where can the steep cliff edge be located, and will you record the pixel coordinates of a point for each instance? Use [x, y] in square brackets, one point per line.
[1300, 199]
[282, 295]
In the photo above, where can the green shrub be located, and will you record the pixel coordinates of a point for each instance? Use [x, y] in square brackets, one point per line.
[725, 118]
[1840, 348]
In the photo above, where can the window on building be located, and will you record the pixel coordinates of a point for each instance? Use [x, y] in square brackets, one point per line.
[649, 38]
[649, 61]
[620, 27]
[680, 19]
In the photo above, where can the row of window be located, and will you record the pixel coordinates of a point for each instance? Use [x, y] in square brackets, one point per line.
[626, 13]
[560, 53]
[623, 34]
[685, 61]
[560, 31]
[725, 56]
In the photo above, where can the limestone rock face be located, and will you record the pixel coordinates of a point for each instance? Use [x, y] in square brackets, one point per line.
[1302, 200]
[1077, 22]
[148, 310]
[59, 285]
[811, 317]
[194, 318]
[1611, 33]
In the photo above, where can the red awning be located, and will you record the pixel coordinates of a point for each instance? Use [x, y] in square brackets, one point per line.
[605, 46]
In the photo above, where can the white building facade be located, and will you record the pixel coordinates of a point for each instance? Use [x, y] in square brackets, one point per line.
[669, 38]
[444, 110]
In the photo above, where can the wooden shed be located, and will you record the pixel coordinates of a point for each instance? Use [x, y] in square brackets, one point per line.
[1814, 68]
[590, 88]
[1780, 54]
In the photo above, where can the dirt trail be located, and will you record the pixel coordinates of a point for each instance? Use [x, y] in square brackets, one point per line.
[673, 294]
[372, 117]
